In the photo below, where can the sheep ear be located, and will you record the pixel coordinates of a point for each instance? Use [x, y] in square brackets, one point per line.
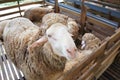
[43, 39]
[37, 43]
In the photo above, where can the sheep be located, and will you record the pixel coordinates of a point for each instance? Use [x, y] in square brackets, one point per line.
[35, 14]
[2, 26]
[52, 18]
[90, 42]
[40, 57]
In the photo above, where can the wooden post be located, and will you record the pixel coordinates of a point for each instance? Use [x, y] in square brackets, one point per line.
[56, 7]
[44, 3]
[83, 17]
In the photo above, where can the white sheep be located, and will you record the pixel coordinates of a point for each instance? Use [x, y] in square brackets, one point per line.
[52, 18]
[39, 57]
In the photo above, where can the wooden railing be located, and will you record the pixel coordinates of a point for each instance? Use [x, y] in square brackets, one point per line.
[93, 66]
[18, 6]
[4, 1]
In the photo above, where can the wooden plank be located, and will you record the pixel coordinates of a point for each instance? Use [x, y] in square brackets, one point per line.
[5, 1]
[87, 73]
[104, 66]
[25, 4]
[106, 61]
[100, 30]
[117, 2]
[109, 16]
[113, 49]
[117, 59]
[75, 72]
[56, 7]
[101, 37]
[101, 24]
[11, 18]
[90, 77]
[83, 17]
[105, 3]
[11, 13]
[115, 37]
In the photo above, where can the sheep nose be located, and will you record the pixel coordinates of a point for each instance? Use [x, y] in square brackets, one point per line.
[72, 52]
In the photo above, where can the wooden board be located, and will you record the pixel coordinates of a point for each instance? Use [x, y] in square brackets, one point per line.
[4, 1]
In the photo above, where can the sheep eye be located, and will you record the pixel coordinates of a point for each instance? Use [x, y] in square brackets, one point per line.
[49, 35]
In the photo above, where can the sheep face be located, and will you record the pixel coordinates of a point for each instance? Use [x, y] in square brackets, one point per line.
[90, 41]
[61, 41]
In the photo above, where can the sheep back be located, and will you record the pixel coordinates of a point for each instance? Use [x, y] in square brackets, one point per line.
[37, 63]
[36, 13]
[52, 18]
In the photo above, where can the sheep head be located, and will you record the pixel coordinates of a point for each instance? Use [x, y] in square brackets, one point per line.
[57, 46]
[90, 42]
[61, 41]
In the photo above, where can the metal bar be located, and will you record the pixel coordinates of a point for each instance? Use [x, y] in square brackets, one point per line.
[18, 77]
[8, 63]
[8, 69]
[19, 7]
[2, 66]
[13, 78]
